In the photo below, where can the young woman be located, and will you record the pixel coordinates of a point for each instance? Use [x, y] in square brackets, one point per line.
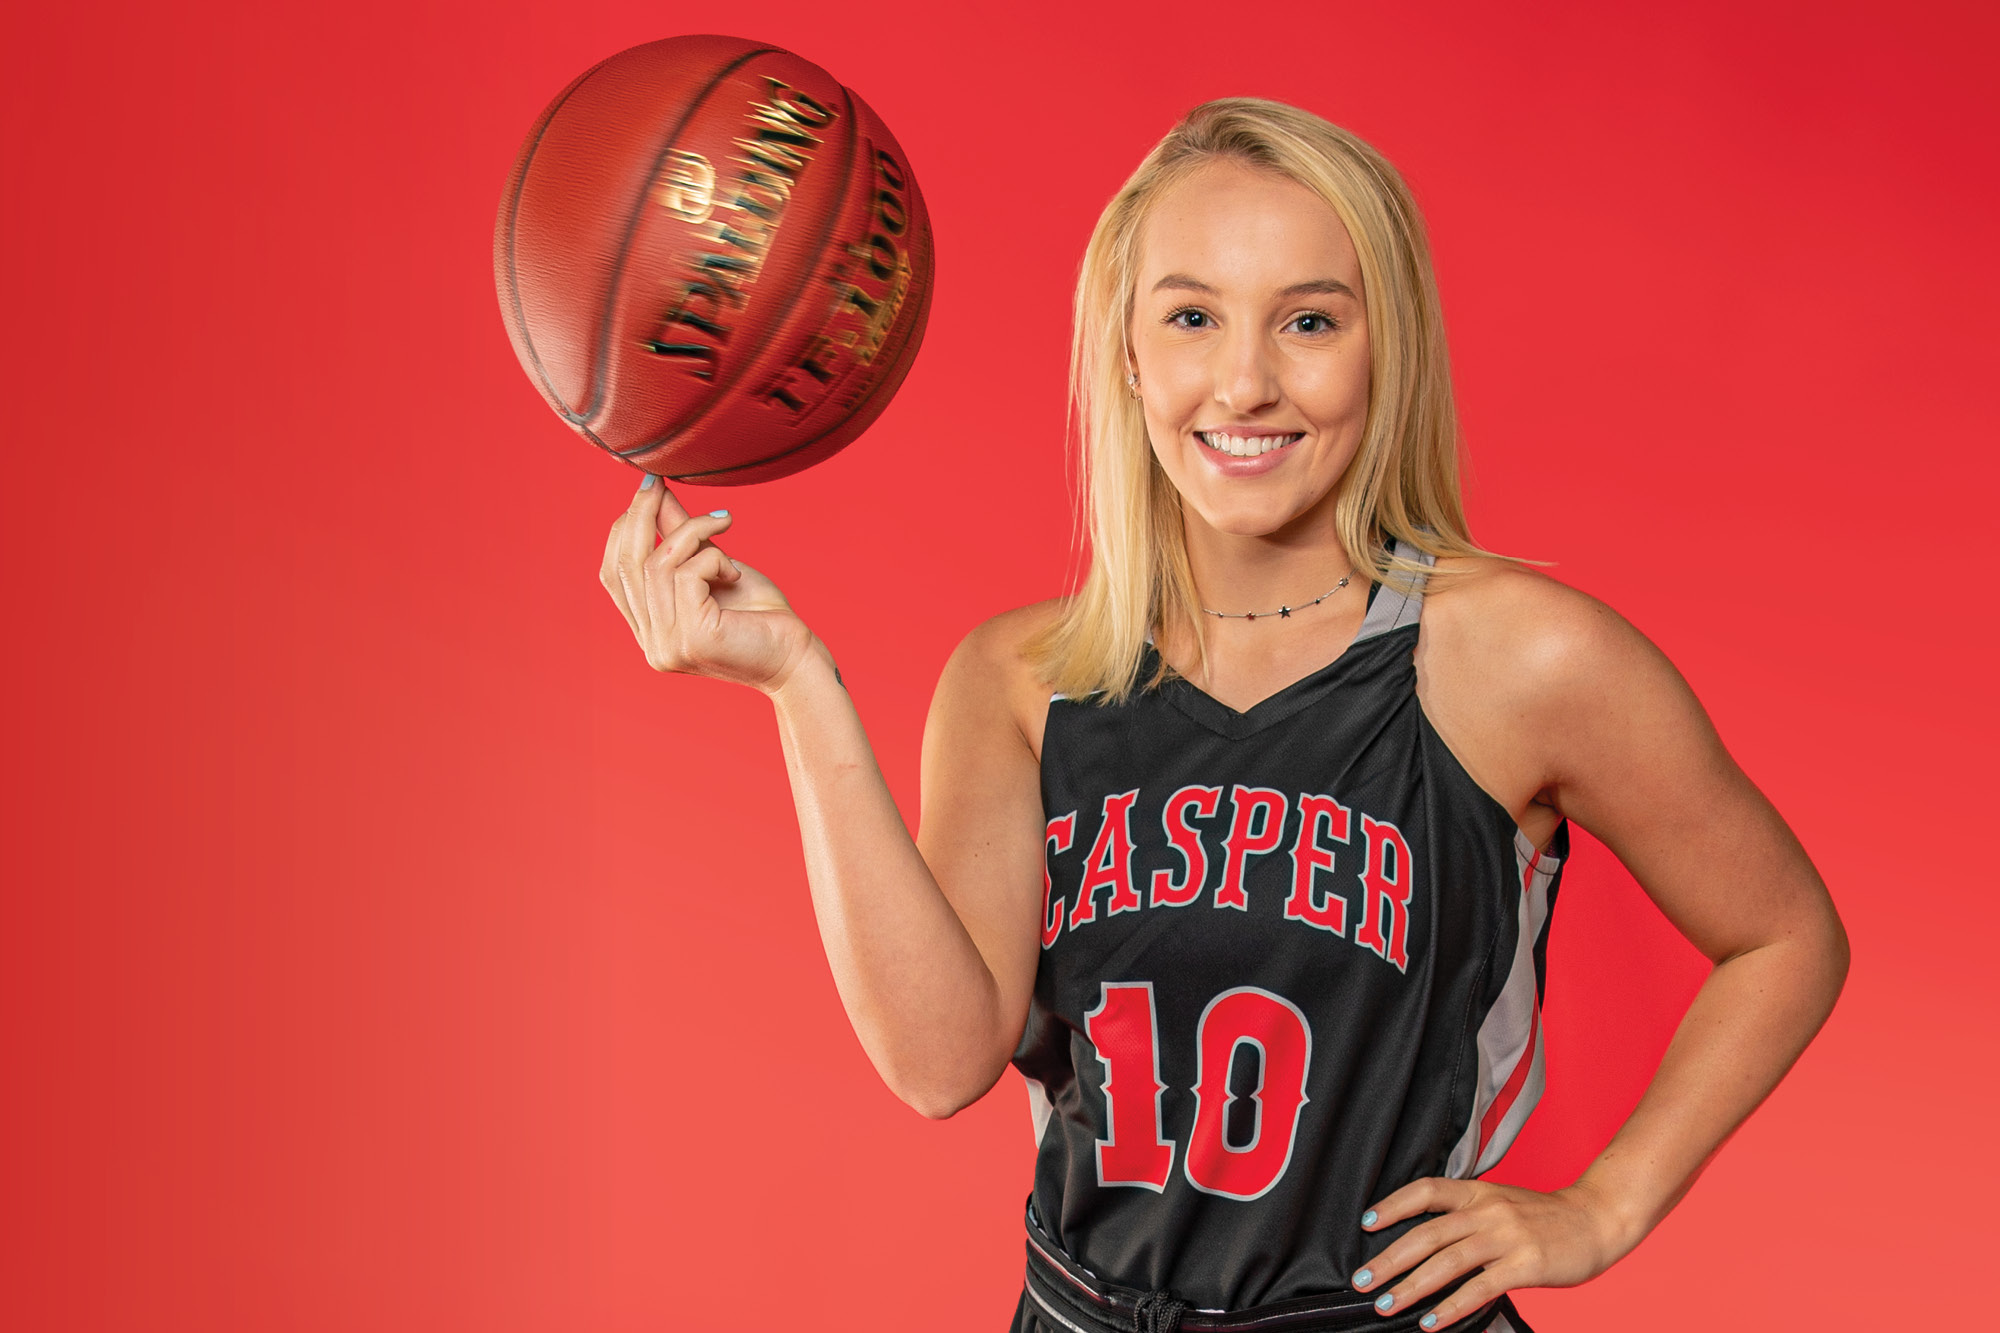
[1244, 853]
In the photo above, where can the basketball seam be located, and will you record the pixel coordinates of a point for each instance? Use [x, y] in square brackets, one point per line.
[784, 313]
[513, 214]
[573, 417]
[638, 211]
[903, 360]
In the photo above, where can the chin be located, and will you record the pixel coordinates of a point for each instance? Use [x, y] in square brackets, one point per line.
[1241, 520]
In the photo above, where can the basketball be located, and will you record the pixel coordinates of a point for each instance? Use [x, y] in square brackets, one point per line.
[713, 260]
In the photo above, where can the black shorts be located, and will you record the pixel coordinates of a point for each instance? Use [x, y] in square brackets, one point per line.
[1060, 1297]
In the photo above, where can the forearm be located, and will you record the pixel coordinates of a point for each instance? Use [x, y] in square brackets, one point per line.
[921, 997]
[1748, 1023]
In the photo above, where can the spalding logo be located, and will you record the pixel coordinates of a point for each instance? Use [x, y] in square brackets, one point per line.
[686, 187]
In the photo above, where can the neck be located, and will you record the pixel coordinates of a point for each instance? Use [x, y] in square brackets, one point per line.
[1239, 660]
[1289, 567]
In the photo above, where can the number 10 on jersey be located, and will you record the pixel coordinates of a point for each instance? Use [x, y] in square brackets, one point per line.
[1135, 1149]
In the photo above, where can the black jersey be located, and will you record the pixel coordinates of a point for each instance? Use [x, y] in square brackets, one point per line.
[1292, 960]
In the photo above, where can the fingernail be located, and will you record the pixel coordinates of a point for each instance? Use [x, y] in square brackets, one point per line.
[718, 513]
[1363, 1278]
[1387, 1302]
[652, 480]
[1428, 1321]
[1368, 1218]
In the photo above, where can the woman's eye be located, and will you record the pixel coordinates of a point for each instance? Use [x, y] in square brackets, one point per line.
[1188, 319]
[1313, 323]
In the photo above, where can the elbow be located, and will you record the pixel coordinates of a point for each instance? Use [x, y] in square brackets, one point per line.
[1838, 954]
[936, 1108]
[1823, 957]
[940, 1100]
[940, 1094]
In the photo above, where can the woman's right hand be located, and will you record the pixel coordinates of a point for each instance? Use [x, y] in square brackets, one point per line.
[937, 982]
[691, 607]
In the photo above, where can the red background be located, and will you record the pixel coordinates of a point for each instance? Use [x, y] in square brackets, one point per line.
[383, 945]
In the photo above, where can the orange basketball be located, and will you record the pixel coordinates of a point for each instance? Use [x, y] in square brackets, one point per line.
[713, 260]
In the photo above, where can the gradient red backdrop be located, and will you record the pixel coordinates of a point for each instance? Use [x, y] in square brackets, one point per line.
[383, 945]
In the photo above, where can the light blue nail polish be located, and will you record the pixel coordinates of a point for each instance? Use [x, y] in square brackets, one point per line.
[718, 513]
[1387, 1301]
[1364, 1277]
[652, 480]
[1368, 1218]
[1428, 1321]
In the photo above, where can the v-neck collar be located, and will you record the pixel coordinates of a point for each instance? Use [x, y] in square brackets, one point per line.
[1389, 609]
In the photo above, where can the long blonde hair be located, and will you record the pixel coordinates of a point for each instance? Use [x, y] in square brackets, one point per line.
[1403, 482]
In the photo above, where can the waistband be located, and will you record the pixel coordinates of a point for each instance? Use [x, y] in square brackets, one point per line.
[1079, 1301]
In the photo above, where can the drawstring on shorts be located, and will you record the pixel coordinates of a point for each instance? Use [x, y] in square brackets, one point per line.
[1158, 1312]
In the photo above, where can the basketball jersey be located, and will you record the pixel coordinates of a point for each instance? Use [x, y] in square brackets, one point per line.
[1292, 959]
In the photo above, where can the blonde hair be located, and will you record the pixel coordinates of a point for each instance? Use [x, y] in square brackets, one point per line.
[1403, 482]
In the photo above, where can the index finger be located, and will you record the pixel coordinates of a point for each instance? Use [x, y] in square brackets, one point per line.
[654, 506]
[1432, 1194]
[671, 513]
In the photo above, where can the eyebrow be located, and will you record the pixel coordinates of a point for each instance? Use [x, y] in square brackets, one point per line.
[1317, 287]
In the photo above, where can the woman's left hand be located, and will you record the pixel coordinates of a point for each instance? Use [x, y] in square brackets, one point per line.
[1507, 1237]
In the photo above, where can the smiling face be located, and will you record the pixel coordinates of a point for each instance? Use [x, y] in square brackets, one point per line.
[1251, 344]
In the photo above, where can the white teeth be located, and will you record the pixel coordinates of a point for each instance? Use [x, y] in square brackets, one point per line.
[1244, 446]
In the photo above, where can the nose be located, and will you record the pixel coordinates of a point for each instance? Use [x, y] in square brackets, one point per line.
[1245, 370]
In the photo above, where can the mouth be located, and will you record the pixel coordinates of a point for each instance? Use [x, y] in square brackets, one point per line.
[1248, 446]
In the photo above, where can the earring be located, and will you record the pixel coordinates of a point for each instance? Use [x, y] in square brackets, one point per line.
[1132, 384]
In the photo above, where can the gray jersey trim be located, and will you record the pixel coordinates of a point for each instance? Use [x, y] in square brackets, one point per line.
[1392, 608]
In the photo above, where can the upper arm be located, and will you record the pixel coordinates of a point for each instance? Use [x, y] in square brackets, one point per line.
[1630, 754]
[1562, 703]
[981, 826]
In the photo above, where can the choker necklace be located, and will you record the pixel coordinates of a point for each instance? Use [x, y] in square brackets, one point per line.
[1283, 612]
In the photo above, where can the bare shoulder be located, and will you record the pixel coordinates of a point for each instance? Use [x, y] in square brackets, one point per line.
[1559, 708]
[1525, 635]
[990, 671]
[1529, 682]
